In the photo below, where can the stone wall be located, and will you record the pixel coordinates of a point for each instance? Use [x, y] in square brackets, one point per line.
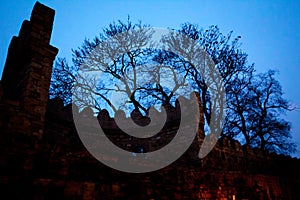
[42, 156]
[229, 170]
[27, 71]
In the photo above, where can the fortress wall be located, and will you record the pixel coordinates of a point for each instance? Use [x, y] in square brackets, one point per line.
[42, 156]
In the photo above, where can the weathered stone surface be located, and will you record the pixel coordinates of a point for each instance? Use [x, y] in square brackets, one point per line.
[42, 156]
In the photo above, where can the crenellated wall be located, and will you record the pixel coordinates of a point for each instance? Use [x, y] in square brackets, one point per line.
[42, 156]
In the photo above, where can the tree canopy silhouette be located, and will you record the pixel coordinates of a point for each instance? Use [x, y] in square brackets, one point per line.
[255, 102]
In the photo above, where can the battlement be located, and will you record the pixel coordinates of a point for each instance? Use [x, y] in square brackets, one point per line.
[229, 169]
[227, 154]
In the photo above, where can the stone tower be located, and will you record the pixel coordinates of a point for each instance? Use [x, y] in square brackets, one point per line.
[27, 72]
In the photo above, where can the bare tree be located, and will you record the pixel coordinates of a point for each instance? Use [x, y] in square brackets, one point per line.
[268, 130]
[254, 102]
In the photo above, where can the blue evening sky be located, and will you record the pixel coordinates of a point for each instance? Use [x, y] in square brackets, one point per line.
[270, 30]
